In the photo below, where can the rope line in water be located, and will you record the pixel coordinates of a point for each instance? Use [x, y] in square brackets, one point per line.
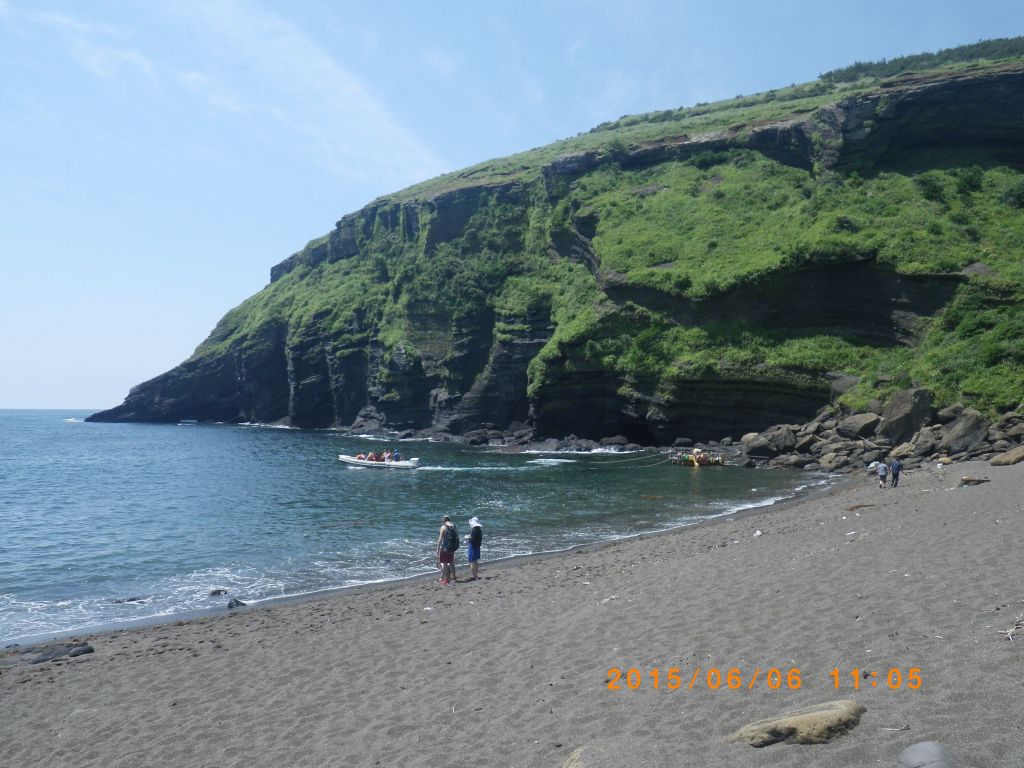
[645, 455]
[639, 466]
[664, 461]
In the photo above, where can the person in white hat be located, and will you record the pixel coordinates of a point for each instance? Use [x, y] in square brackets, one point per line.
[475, 537]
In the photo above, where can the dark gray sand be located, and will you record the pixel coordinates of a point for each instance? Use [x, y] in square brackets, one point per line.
[511, 670]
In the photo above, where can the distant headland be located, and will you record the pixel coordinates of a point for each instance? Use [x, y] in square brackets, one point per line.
[705, 272]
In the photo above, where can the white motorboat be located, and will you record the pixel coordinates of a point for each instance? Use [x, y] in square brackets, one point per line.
[404, 464]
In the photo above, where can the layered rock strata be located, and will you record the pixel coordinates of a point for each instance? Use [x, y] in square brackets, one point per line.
[462, 372]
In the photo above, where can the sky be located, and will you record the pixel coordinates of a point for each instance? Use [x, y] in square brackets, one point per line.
[158, 158]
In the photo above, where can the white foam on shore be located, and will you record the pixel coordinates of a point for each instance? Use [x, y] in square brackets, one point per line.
[591, 452]
[754, 504]
[394, 438]
[438, 468]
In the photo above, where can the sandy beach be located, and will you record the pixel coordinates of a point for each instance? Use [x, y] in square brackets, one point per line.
[513, 670]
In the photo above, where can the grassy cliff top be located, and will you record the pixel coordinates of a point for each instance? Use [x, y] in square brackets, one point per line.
[613, 257]
[741, 112]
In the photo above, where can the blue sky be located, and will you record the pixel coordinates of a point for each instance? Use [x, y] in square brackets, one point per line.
[157, 158]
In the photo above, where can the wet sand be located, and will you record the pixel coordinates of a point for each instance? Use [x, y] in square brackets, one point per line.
[512, 670]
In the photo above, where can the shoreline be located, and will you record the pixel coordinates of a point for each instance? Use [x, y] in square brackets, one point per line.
[853, 580]
[44, 638]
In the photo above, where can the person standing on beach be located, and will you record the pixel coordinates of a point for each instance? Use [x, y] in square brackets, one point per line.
[883, 470]
[475, 538]
[447, 543]
[896, 468]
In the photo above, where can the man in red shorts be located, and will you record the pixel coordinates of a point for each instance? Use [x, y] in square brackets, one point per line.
[447, 543]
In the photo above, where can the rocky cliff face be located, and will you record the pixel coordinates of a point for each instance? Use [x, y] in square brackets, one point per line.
[391, 355]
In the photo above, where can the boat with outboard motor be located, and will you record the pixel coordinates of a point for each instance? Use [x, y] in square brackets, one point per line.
[389, 464]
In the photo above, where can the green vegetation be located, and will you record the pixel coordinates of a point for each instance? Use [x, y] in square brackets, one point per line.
[985, 50]
[678, 235]
[708, 230]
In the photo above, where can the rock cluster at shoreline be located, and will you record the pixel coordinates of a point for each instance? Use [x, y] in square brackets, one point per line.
[908, 429]
[838, 440]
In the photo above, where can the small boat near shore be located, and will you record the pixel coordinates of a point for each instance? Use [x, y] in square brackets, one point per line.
[404, 464]
[698, 458]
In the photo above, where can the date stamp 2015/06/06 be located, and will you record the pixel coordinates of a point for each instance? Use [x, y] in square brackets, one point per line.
[774, 678]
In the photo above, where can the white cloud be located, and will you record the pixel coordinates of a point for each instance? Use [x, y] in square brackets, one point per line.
[105, 61]
[63, 22]
[244, 59]
[271, 67]
[99, 48]
[219, 96]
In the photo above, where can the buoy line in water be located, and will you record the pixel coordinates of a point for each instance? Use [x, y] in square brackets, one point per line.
[631, 458]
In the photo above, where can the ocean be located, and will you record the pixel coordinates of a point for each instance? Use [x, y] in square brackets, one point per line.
[112, 524]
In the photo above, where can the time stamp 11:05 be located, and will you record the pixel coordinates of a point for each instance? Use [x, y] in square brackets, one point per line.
[774, 678]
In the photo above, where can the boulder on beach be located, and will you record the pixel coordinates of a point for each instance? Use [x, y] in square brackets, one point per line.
[905, 413]
[967, 430]
[902, 451]
[927, 441]
[858, 425]
[816, 724]
[973, 481]
[781, 437]
[830, 462]
[1008, 458]
[760, 447]
[60, 650]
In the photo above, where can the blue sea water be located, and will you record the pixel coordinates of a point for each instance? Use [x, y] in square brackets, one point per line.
[111, 523]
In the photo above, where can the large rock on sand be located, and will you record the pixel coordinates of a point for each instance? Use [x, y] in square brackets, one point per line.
[808, 725]
[759, 447]
[858, 425]
[966, 431]
[924, 754]
[782, 437]
[1012, 456]
[905, 413]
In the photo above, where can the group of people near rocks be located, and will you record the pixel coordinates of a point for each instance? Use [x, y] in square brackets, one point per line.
[387, 455]
[891, 470]
[448, 543]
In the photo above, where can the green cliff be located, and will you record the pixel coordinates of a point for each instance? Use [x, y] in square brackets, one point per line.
[704, 271]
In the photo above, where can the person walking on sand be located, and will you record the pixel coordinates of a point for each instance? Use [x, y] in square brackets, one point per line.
[447, 543]
[883, 470]
[475, 538]
[895, 469]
